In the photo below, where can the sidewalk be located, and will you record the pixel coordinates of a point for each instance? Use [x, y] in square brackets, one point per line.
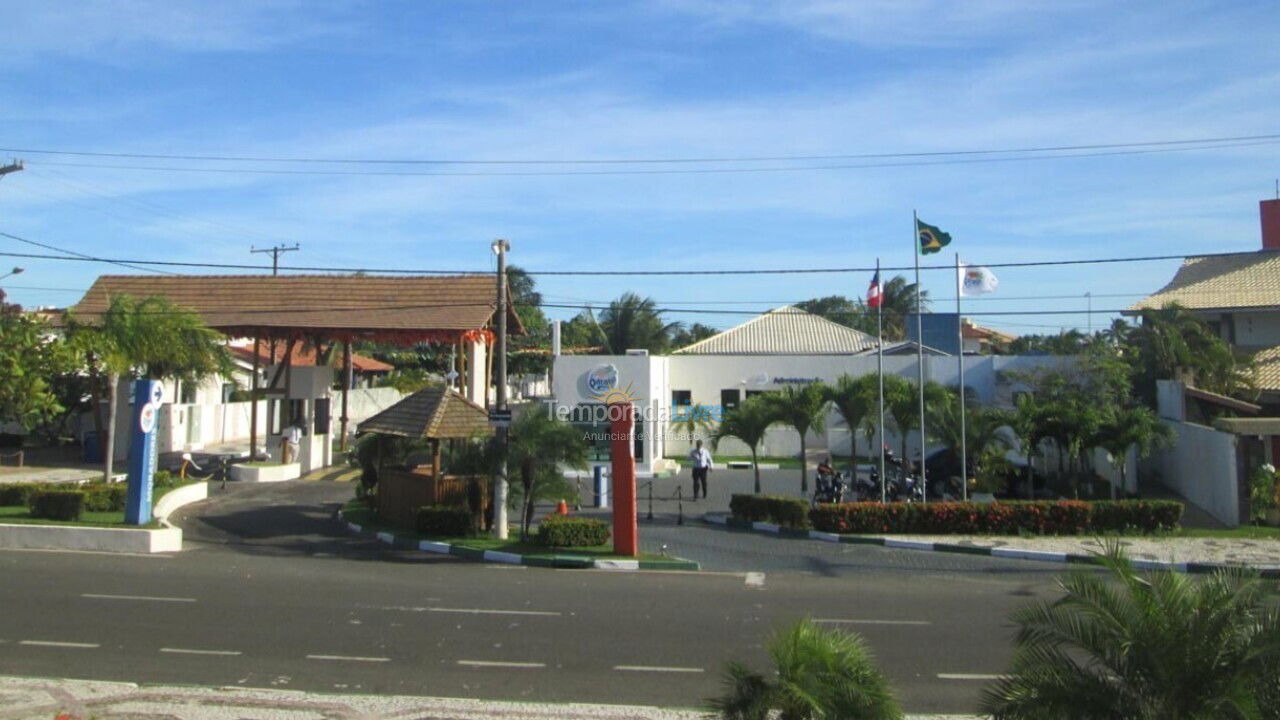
[23, 698]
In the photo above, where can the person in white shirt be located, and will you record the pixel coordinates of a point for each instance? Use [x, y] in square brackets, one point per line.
[701, 459]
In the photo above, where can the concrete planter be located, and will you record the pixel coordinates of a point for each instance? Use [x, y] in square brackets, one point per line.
[266, 473]
[175, 499]
[64, 537]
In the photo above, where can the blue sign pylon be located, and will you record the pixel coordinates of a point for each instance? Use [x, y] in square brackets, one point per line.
[147, 397]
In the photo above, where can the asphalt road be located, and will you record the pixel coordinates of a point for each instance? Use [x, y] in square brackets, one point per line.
[273, 593]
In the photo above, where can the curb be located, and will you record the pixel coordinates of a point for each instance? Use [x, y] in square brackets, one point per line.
[1268, 572]
[544, 560]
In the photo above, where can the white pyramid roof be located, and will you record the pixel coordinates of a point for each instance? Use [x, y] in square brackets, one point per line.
[786, 330]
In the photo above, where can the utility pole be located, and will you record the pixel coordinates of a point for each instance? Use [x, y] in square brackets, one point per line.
[12, 167]
[500, 248]
[275, 251]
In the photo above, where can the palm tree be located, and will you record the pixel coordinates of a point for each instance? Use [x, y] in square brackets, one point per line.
[983, 440]
[692, 419]
[898, 302]
[856, 400]
[803, 408]
[634, 322]
[902, 401]
[819, 673]
[748, 422]
[1136, 427]
[153, 337]
[538, 443]
[1142, 648]
[1171, 343]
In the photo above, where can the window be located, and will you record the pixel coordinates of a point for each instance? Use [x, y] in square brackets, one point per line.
[322, 416]
[681, 398]
[729, 399]
[187, 393]
[229, 392]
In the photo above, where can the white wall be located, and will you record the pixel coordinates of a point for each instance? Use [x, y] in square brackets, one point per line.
[1257, 329]
[652, 380]
[1201, 467]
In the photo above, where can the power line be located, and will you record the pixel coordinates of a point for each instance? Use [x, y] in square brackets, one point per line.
[664, 171]
[638, 161]
[605, 273]
[81, 256]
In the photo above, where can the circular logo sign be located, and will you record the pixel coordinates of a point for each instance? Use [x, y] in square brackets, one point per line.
[602, 379]
[147, 418]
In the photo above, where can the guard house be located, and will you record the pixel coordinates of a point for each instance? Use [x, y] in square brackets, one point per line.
[432, 414]
[282, 314]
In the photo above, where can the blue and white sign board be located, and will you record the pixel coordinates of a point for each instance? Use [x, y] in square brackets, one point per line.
[147, 397]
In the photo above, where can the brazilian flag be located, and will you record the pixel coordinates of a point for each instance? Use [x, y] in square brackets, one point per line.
[932, 239]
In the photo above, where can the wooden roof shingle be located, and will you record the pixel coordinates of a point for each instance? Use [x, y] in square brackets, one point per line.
[413, 308]
[435, 412]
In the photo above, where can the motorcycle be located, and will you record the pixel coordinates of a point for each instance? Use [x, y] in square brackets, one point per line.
[828, 489]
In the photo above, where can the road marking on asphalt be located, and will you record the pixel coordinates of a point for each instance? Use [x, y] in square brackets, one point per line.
[500, 664]
[192, 651]
[967, 676]
[872, 622]
[755, 579]
[483, 611]
[349, 658]
[55, 643]
[657, 668]
[148, 598]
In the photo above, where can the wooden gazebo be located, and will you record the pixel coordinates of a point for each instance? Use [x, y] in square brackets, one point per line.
[433, 414]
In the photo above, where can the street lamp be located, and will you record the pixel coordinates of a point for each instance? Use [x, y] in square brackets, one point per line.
[15, 271]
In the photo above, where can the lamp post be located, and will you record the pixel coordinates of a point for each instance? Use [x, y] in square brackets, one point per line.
[11, 273]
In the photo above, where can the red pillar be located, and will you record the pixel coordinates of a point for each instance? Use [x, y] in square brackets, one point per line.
[626, 540]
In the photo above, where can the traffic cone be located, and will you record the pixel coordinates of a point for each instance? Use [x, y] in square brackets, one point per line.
[562, 508]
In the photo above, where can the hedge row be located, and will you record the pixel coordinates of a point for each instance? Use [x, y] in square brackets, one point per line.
[56, 504]
[98, 497]
[564, 531]
[1057, 517]
[445, 521]
[783, 511]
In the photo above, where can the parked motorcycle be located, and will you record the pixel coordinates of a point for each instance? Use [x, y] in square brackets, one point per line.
[829, 488]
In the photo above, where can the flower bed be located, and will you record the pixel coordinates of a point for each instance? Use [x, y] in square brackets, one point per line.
[1058, 517]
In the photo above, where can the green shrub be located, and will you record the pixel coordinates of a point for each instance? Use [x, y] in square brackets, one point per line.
[1145, 516]
[1057, 517]
[782, 511]
[563, 531]
[444, 521]
[56, 504]
[16, 493]
[103, 497]
[163, 479]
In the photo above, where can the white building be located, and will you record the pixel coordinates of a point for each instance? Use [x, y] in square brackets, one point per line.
[785, 346]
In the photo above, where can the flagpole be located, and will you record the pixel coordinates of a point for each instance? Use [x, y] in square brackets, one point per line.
[915, 244]
[884, 481]
[964, 466]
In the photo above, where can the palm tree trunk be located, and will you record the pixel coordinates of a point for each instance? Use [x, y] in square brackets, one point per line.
[755, 464]
[109, 451]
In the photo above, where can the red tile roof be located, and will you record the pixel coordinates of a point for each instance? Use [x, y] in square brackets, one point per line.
[306, 356]
[406, 309]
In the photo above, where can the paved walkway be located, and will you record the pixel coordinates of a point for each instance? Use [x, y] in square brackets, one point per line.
[23, 698]
[1262, 553]
[44, 474]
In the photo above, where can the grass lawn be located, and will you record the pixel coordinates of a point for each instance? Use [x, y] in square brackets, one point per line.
[362, 515]
[1244, 532]
[21, 515]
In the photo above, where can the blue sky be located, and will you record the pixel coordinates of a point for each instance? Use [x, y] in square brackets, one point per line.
[667, 79]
